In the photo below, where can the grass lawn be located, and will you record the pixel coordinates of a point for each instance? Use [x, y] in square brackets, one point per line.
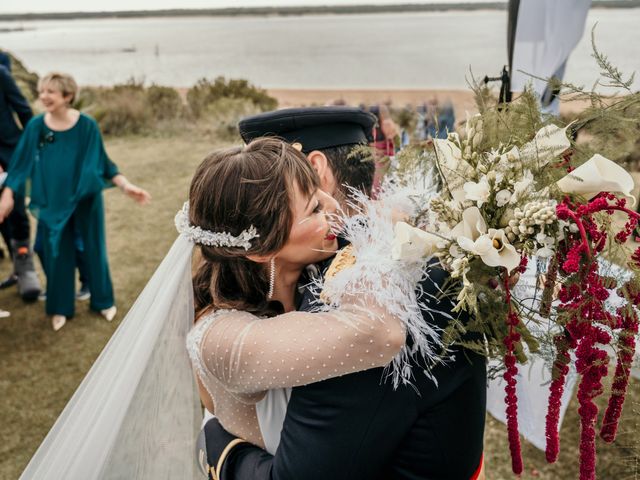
[40, 369]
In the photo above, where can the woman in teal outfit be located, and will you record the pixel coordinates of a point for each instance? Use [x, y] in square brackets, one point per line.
[62, 155]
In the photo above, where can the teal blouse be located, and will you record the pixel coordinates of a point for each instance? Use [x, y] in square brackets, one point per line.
[58, 169]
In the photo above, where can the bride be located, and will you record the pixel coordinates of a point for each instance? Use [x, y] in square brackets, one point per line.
[258, 217]
[249, 339]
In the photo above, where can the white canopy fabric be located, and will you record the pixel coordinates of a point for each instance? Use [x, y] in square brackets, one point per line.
[547, 31]
[533, 399]
[533, 378]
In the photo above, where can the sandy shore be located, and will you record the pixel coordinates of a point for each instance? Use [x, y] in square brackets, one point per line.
[463, 100]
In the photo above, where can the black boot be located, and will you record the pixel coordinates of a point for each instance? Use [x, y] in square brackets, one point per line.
[28, 282]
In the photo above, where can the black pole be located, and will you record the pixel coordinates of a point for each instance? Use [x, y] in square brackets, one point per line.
[512, 25]
[505, 77]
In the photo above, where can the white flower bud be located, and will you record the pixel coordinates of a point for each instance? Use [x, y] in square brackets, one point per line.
[477, 138]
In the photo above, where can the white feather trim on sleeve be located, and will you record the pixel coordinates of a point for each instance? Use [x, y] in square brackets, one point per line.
[391, 283]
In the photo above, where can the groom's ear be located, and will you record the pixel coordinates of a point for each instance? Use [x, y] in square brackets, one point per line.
[320, 163]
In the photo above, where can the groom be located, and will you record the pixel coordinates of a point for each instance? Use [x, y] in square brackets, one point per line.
[357, 426]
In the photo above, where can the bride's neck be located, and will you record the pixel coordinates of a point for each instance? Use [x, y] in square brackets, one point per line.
[286, 281]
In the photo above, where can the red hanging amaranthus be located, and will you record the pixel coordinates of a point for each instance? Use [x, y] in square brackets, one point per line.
[628, 322]
[583, 299]
[626, 350]
[511, 398]
[560, 370]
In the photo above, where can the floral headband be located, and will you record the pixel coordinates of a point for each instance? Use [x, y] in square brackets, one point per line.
[201, 236]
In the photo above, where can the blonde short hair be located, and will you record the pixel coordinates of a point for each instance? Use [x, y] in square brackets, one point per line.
[63, 82]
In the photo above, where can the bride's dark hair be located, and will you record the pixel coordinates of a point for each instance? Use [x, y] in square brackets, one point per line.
[232, 190]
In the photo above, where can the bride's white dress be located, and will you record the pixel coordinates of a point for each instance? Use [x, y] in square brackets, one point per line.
[244, 361]
[270, 410]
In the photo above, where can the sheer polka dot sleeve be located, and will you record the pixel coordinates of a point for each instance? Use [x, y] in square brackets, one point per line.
[249, 354]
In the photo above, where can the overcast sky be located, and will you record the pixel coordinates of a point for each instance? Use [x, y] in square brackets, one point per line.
[24, 6]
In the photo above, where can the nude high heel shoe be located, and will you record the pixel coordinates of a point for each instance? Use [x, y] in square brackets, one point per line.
[109, 313]
[58, 321]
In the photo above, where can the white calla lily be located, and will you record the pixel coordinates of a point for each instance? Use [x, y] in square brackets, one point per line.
[471, 226]
[449, 155]
[458, 195]
[492, 245]
[598, 174]
[412, 244]
[502, 253]
[481, 246]
[547, 145]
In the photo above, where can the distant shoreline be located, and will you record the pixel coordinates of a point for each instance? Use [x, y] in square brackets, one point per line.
[290, 11]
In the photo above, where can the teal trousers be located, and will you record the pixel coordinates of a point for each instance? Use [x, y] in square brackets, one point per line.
[88, 220]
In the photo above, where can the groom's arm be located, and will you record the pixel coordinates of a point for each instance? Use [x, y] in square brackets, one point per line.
[245, 461]
[344, 429]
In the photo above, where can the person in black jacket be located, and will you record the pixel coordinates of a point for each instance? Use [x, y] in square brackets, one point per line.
[16, 231]
[358, 426]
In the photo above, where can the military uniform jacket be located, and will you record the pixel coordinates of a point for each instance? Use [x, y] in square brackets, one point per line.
[358, 427]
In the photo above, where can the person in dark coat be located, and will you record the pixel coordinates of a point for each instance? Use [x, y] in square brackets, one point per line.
[357, 426]
[16, 231]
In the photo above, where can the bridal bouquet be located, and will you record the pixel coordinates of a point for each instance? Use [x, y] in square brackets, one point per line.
[511, 194]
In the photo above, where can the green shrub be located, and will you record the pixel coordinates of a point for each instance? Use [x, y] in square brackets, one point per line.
[205, 94]
[222, 116]
[130, 107]
[88, 97]
[165, 102]
[122, 109]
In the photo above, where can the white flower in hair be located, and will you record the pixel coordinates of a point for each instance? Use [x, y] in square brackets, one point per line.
[201, 236]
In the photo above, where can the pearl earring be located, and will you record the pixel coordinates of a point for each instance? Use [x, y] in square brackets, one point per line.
[272, 277]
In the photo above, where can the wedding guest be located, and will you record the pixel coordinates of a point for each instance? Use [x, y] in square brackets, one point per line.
[385, 135]
[446, 120]
[62, 154]
[16, 230]
[83, 293]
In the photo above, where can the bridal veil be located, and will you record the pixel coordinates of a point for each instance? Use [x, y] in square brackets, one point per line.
[136, 414]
